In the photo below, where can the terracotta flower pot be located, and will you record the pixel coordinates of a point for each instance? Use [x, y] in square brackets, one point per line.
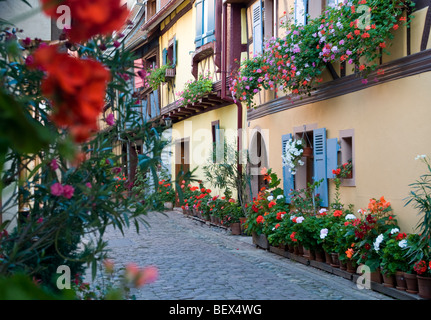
[335, 262]
[424, 287]
[320, 256]
[235, 228]
[388, 280]
[328, 258]
[350, 266]
[400, 281]
[309, 254]
[411, 282]
[308, 152]
[376, 276]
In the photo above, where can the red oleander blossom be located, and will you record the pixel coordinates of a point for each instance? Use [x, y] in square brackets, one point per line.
[89, 18]
[76, 89]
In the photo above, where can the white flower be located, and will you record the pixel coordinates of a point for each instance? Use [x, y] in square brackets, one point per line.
[403, 243]
[299, 219]
[280, 196]
[379, 240]
[323, 210]
[323, 233]
[270, 198]
[395, 230]
[350, 217]
[292, 217]
[418, 157]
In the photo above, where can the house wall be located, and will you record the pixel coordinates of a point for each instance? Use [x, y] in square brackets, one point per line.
[198, 130]
[391, 127]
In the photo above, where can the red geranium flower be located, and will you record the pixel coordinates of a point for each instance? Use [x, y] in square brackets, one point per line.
[260, 219]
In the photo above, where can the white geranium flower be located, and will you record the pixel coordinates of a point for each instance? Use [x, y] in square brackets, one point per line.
[323, 210]
[403, 243]
[299, 219]
[280, 196]
[379, 240]
[350, 217]
[323, 233]
[270, 198]
[395, 230]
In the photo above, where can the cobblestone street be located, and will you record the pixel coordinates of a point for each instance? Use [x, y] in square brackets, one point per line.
[196, 261]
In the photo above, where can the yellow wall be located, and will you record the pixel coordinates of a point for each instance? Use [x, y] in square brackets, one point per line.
[391, 123]
[185, 46]
[198, 129]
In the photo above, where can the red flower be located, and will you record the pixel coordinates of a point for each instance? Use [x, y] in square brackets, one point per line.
[271, 204]
[76, 89]
[420, 267]
[260, 219]
[401, 236]
[338, 213]
[292, 237]
[280, 214]
[90, 18]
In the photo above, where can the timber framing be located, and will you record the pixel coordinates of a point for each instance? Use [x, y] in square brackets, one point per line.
[401, 68]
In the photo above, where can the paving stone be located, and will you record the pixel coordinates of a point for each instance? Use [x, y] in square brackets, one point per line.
[201, 262]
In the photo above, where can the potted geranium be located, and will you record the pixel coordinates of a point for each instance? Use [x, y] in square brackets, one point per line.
[394, 262]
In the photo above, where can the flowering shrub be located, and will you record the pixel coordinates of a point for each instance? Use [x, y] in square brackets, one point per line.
[195, 90]
[394, 254]
[292, 154]
[294, 64]
[51, 103]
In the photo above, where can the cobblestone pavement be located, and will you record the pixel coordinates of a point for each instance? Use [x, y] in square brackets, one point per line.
[196, 261]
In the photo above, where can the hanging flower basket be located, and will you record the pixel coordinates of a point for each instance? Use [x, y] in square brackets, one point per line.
[292, 154]
[308, 152]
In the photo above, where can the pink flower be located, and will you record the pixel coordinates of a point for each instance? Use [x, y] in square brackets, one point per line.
[68, 191]
[57, 189]
[110, 119]
[53, 164]
[147, 275]
[88, 185]
[40, 220]
[109, 265]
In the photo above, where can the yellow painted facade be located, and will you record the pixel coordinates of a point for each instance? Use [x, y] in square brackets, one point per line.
[391, 127]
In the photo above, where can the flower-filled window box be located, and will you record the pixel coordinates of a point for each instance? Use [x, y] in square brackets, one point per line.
[354, 32]
[194, 90]
[170, 73]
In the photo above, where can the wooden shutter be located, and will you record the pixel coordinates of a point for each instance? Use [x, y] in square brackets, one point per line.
[174, 52]
[319, 149]
[199, 22]
[209, 21]
[257, 28]
[301, 11]
[332, 148]
[288, 178]
[165, 56]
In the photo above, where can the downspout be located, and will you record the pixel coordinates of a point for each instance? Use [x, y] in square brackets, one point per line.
[224, 74]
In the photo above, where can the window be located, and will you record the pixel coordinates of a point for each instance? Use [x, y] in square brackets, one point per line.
[332, 3]
[205, 22]
[315, 168]
[216, 134]
[347, 148]
[301, 12]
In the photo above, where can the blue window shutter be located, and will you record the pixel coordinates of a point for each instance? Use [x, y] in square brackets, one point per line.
[319, 149]
[332, 148]
[209, 23]
[165, 56]
[257, 28]
[199, 22]
[174, 52]
[288, 178]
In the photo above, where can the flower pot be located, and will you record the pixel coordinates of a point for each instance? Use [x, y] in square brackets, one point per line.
[335, 262]
[235, 228]
[411, 282]
[308, 152]
[242, 222]
[350, 265]
[388, 280]
[309, 254]
[376, 276]
[320, 256]
[400, 281]
[328, 258]
[424, 287]
[291, 248]
[343, 265]
[300, 250]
